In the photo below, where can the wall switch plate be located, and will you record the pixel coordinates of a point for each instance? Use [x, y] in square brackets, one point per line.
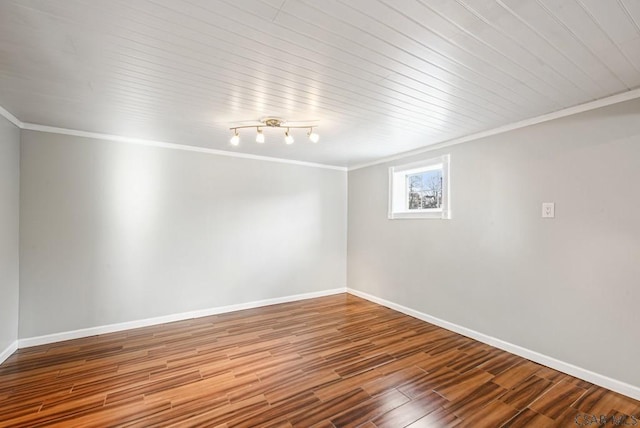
[548, 210]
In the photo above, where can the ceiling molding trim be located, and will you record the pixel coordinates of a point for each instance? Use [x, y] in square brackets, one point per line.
[581, 108]
[153, 143]
[11, 118]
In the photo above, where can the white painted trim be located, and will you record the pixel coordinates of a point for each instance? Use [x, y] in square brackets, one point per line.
[11, 118]
[153, 143]
[570, 369]
[591, 105]
[581, 108]
[141, 141]
[111, 328]
[398, 209]
[8, 352]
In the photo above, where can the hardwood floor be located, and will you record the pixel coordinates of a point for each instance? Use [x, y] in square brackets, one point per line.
[333, 361]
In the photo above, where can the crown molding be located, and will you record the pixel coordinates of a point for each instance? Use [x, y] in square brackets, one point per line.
[154, 143]
[11, 118]
[581, 108]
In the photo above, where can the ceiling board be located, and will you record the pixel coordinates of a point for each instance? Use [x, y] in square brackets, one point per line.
[381, 77]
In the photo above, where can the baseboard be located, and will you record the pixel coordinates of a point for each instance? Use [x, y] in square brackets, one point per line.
[7, 352]
[570, 369]
[111, 328]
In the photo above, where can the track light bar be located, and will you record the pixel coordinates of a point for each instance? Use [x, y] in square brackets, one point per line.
[272, 122]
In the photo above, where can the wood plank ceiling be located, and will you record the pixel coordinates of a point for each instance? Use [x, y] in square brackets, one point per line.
[380, 76]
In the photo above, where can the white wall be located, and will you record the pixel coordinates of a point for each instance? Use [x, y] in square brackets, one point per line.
[115, 232]
[9, 231]
[568, 288]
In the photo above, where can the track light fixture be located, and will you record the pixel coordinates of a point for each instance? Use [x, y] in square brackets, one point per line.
[287, 137]
[235, 140]
[273, 122]
[259, 136]
[313, 137]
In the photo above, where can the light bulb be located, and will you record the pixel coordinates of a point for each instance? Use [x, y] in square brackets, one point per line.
[259, 136]
[288, 138]
[313, 137]
[235, 140]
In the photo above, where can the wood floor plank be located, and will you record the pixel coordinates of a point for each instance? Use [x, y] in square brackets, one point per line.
[557, 399]
[494, 414]
[599, 401]
[328, 409]
[427, 382]
[180, 412]
[370, 409]
[529, 418]
[342, 386]
[462, 384]
[410, 412]
[470, 403]
[440, 418]
[329, 362]
[516, 373]
[394, 380]
[526, 392]
[305, 383]
[278, 414]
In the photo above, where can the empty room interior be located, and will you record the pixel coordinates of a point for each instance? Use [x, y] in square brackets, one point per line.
[348, 213]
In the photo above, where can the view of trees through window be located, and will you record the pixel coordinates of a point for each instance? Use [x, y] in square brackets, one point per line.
[424, 190]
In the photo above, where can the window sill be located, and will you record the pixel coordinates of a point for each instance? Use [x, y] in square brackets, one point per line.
[437, 215]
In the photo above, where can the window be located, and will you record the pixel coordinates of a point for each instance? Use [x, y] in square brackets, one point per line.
[420, 190]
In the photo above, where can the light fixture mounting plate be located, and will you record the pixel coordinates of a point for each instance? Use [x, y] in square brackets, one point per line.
[273, 122]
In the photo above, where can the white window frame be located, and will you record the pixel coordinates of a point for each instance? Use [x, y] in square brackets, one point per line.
[398, 189]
